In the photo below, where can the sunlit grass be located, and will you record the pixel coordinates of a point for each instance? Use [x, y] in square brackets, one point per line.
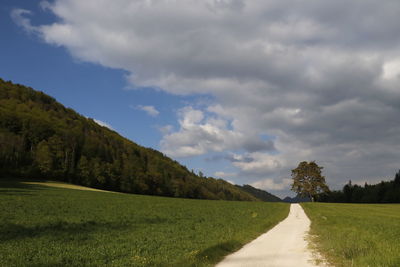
[44, 226]
[357, 234]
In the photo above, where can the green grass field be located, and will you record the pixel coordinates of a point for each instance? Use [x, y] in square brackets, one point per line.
[44, 226]
[357, 234]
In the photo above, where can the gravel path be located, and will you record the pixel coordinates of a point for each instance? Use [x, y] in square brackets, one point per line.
[284, 245]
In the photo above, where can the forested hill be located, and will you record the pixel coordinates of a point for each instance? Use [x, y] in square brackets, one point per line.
[260, 194]
[40, 138]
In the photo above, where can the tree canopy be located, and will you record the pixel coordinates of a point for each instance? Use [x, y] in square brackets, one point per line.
[308, 180]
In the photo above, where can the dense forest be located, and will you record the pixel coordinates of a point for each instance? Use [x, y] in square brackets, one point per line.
[383, 192]
[40, 138]
[260, 194]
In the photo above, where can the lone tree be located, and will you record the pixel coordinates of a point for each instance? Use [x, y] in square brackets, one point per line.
[308, 180]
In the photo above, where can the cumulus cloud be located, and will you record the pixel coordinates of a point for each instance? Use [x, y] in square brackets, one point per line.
[199, 134]
[320, 77]
[271, 185]
[150, 110]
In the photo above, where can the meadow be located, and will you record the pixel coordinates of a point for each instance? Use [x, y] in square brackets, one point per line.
[45, 226]
[356, 234]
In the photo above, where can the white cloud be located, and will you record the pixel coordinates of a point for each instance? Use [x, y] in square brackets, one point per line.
[150, 110]
[321, 77]
[199, 134]
[271, 185]
[19, 17]
[166, 129]
[260, 163]
[104, 124]
[391, 70]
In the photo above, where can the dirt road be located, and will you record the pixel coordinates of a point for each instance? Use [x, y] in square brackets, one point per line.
[283, 246]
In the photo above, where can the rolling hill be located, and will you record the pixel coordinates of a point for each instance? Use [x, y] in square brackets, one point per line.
[40, 138]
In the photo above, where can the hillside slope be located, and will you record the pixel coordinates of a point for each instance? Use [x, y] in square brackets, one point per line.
[260, 194]
[40, 138]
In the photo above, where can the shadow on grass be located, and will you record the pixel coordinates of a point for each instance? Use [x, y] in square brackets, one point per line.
[69, 230]
[216, 252]
[58, 230]
[211, 255]
[17, 187]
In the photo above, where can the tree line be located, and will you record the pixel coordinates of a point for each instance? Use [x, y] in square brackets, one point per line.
[40, 138]
[383, 192]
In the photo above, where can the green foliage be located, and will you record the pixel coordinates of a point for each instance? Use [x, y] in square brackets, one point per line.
[308, 180]
[44, 226]
[260, 194]
[39, 138]
[356, 235]
[383, 192]
[44, 158]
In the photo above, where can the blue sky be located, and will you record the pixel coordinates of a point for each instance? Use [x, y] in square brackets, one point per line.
[240, 89]
[92, 90]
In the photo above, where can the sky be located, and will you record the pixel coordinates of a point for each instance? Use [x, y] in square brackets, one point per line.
[242, 90]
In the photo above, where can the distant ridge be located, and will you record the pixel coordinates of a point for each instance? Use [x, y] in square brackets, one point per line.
[40, 138]
[260, 194]
[296, 199]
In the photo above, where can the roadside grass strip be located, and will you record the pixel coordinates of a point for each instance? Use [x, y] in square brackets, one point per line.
[356, 234]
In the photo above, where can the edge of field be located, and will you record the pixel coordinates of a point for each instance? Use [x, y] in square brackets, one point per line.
[58, 184]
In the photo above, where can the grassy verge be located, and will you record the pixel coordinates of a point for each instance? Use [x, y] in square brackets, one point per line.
[357, 234]
[45, 226]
